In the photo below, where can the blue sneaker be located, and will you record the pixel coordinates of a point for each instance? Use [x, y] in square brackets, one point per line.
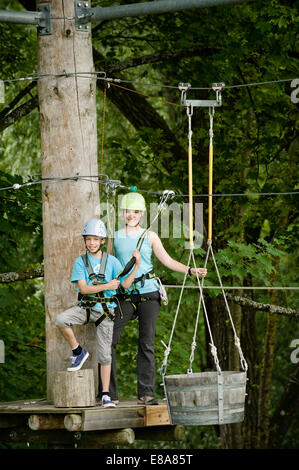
[78, 361]
[107, 402]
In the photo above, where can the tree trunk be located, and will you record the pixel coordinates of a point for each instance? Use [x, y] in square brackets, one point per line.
[266, 375]
[69, 147]
[248, 338]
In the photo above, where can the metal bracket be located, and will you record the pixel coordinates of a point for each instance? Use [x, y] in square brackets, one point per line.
[44, 25]
[217, 87]
[83, 15]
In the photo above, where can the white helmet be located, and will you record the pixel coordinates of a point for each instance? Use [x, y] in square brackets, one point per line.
[95, 227]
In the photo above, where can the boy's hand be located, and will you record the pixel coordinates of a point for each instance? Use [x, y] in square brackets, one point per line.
[112, 285]
[136, 254]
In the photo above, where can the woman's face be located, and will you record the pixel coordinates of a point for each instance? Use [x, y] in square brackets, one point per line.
[132, 218]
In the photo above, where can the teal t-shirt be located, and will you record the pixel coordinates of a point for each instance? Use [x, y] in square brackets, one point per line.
[124, 245]
[113, 267]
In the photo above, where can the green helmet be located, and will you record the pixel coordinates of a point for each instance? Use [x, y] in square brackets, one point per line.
[133, 202]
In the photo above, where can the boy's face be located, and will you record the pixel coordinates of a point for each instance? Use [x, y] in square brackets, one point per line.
[132, 218]
[93, 243]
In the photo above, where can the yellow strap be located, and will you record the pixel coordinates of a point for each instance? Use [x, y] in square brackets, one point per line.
[210, 191]
[190, 197]
[211, 113]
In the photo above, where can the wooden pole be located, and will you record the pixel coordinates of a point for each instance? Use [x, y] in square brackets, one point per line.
[40, 422]
[69, 147]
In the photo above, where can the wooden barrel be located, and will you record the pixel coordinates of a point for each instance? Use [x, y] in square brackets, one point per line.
[206, 397]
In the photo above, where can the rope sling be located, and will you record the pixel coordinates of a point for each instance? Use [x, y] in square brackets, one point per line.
[179, 410]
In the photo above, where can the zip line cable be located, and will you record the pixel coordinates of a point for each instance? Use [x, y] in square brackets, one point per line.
[98, 76]
[178, 286]
[97, 179]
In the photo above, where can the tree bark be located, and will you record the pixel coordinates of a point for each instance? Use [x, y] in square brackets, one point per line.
[266, 376]
[249, 340]
[69, 147]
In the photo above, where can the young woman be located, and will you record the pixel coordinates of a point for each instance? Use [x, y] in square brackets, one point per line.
[143, 302]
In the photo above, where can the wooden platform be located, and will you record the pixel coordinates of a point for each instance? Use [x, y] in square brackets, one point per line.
[40, 421]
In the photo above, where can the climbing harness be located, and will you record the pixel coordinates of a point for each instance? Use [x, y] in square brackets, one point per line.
[179, 413]
[87, 301]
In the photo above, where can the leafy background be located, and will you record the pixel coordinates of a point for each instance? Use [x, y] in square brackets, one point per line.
[256, 148]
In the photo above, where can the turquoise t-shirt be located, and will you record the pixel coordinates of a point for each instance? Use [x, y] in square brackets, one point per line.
[124, 245]
[113, 267]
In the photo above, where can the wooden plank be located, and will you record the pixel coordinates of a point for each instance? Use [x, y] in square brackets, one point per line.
[156, 415]
[117, 418]
[33, 407]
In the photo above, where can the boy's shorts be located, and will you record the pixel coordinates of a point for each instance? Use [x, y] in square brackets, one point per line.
[77, 316]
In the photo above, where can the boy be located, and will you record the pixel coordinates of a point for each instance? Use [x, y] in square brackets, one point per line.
[103, 312]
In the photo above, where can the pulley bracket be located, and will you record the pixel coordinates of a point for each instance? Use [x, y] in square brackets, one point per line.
[217, 87]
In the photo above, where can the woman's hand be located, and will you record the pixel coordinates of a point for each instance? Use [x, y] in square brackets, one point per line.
[200, 271]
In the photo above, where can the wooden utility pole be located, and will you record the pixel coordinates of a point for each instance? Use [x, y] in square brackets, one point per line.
[69, 147]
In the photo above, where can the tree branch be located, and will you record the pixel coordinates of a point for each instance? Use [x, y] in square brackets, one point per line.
[245, 302]
[18, 113]
[18, 98]
[6, 278]
[159, 57]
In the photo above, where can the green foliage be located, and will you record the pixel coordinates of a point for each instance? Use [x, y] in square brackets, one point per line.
[22, 328]
[255, 149]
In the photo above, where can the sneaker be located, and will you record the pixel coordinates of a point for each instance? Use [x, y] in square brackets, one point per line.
[148, 401]
[107, 402]
[99, 399]
[78, 361]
